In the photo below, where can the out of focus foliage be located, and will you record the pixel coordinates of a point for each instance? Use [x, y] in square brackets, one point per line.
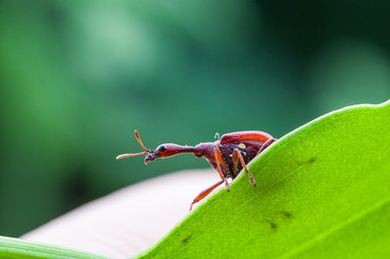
[77, 76]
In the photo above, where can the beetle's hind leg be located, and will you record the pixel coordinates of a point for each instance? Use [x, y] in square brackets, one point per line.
[238, 158]
[265, 145]
[204, 193]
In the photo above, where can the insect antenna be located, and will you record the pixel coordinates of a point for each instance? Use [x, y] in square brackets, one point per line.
[141, 143]
[139, 140]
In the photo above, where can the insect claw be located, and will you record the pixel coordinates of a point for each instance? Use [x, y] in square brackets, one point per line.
[227, 186]
[252, 180]
[192, 204]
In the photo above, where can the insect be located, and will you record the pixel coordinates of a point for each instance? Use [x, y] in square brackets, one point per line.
[228, 155]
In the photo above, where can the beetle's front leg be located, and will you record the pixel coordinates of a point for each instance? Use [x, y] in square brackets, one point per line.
[237, 158]
[204, 193]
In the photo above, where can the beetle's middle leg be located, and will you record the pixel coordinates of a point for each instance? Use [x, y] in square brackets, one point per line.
[219, 161]
[237, 158]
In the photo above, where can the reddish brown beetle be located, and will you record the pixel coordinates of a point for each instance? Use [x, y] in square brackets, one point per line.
[228, 155]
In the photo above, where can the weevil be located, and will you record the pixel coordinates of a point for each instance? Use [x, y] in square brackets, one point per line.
[228, 155]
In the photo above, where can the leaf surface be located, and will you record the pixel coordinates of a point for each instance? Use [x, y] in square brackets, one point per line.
[322, 190]
[13, 248]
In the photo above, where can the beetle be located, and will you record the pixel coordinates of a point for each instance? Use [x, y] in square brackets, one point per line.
[228, 155]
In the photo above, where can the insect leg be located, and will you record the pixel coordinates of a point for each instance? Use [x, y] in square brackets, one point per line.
[204, 193]
[265, 145]
[219, 161]
[237, 157]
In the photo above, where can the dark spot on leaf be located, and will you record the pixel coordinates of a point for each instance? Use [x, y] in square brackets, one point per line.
[286, 214]
[186, 239]
[311, 160]
[273, 225]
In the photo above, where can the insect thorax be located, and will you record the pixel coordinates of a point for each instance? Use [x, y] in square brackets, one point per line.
[248, 152]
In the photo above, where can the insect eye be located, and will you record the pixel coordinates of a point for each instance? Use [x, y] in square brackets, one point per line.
[162, 148]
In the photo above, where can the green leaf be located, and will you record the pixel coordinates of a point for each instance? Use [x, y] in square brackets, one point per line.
[13, 248]
[322, 190]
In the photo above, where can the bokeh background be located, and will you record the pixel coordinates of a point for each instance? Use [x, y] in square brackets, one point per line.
[77, 77]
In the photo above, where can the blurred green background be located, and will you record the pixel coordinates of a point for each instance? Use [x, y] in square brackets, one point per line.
[77, 77]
